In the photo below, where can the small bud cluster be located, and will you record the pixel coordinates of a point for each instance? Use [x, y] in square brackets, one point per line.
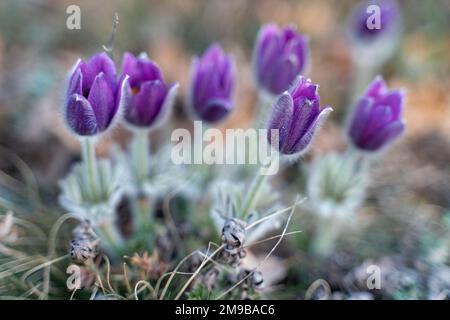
[84, 244]
[233, 237]
[252, 279]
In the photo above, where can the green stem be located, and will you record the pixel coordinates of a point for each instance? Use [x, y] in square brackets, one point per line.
[91, 167]
[140, 154]
[363, 75]
[110, 237]
[141, 204]
[142, 210]
[253, 194]
[324, 238]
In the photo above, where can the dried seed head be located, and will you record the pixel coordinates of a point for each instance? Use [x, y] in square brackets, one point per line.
[84, 244]
[83, 250]
[233, 233]
[233, 237]
[253, 279]
[231, 259]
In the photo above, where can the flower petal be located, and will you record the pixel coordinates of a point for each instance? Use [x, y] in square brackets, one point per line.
[376, 88]
[216, 109]
[305, 113]
[101, 98]
[283, 72]
[268, 48]
[393, 99]
[385, 135]
[75, 80]
[212, 84]
[97, 64]
[80, 117]
[376, 112]
[379, 116]
[279, 56]
[130, 67]
[123, 94]
[360, 117]
[281, 119]
[146, 104]
[168, 103]
[150, 71]
[305, 139]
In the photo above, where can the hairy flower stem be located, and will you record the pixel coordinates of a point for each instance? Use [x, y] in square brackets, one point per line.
[253, 194]
[254, 191]
[110, 238]
[363, 75]
[91, 167]
[143, 220]
[324, 238]
[140, 155]
[141, 205]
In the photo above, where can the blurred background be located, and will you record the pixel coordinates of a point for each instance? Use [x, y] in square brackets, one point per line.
[411, 184]
[37, 51]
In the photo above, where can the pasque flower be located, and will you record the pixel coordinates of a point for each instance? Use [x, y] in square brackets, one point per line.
[374, 29]
[296, 115]
[279, 56]
[363, 20]
[377, 118]
[93, 95]
[149, 96]
[212, 85]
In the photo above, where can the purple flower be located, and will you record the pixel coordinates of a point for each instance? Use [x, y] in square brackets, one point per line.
[149, 97]
[93, 95]
[296, 115]
[377, 119]
[279, 57]
[212, 85]
[363, 20]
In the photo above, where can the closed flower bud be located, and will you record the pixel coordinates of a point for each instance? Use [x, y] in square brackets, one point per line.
[367, 23]
[374, 29]
[149, 98]
[212, 85]
[377, 118]
[93, 96]
[280, 55]
[296, 115]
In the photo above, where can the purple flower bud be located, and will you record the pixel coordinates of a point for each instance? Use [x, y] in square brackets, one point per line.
[363, 21]
[148, 98]
[93, 95]
[279, 57]
[212, 85]
[377, 119]
[296, 115]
